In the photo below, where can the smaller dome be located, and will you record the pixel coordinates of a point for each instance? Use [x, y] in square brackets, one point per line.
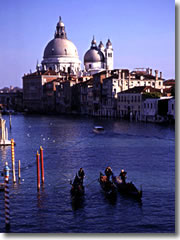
[101, 45]
[93, 55]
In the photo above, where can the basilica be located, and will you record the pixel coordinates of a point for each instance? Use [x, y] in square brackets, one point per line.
[62, 84]
[61, 54]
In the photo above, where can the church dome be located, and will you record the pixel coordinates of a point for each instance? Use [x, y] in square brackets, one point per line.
[93, 55]
[60, 47]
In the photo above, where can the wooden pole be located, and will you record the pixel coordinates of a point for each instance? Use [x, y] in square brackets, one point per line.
[10, 120]
[13, 160]
[38, 171]
[19, 169]
[6, 196]
[42, 165]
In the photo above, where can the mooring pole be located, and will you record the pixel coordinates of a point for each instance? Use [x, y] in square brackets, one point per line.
[38, 171]
[19, 169]
[6, 196]
[42, 165]
[10, 120]
[13, 160]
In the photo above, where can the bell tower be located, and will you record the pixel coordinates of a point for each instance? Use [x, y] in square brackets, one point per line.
[109, 55]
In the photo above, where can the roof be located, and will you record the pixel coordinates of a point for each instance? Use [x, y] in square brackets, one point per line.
[93, 55]
[140, 90]
[60, 47]
[169, 82]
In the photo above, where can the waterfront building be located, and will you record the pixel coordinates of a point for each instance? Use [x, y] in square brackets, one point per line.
[171, 109]
[98, 58]
[130, 102]
[33, 88]
[11, 100]
[142, 77]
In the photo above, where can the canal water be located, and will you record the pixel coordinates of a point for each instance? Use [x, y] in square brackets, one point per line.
[145, 151]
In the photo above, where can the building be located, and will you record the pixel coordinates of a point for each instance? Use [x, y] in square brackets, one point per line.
[61, 54]
[33, 89]
[11, 99]
[98, 58]
[171, 109]
[130, 102]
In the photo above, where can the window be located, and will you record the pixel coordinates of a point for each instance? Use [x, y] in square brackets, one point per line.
[159, 83]
[144, 105]
[151, 105]
[90, 66]
[172, 106]
[109, 54]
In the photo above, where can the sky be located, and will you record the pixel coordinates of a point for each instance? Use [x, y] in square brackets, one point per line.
[142, 33]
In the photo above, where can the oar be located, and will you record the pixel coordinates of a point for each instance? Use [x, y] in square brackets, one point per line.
[91, 182]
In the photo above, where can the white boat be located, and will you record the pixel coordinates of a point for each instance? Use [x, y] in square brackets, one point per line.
[98, 129]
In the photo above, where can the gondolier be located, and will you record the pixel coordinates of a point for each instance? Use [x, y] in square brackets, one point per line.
[81, 174]
[123, 176]
[108, 172]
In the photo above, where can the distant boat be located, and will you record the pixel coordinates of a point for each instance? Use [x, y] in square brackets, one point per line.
[98, 129]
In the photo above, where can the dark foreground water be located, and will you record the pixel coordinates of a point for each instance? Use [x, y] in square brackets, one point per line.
[145, 151]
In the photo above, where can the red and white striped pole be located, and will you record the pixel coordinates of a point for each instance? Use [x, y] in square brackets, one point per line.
[13, 160]
[6, 195]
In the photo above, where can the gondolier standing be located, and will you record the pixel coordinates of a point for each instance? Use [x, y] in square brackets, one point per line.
[81, 174]
[108, 172]
[123, 176]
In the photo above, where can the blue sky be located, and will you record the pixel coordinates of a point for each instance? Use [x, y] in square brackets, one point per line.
[142, 32]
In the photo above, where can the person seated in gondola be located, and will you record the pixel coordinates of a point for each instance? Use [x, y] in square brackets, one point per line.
[123, 176]
[81, 174]
[108, 172]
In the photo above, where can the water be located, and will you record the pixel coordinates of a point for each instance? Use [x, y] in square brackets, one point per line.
[145, 151]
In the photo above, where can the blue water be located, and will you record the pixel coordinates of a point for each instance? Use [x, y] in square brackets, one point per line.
[145, 151]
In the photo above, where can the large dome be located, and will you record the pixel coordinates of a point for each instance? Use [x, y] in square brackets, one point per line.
[60, 47]
[93, 55]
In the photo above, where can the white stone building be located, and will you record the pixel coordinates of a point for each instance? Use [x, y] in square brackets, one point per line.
[98, 58]
[61, 54]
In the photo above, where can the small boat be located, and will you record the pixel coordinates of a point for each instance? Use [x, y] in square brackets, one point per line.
[108, 186]
[98, 129]
[127, 188]
[77, 189]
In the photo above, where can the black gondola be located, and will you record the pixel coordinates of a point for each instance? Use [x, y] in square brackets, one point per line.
[77, 189]
[108, 186]
[127, 188]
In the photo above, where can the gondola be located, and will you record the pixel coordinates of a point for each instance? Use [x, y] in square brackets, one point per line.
[77, 188]
[108, 186]
[127, 188]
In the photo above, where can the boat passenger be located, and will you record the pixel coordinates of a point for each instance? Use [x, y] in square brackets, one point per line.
[81, 174]
[108, 172]
[123, 176]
